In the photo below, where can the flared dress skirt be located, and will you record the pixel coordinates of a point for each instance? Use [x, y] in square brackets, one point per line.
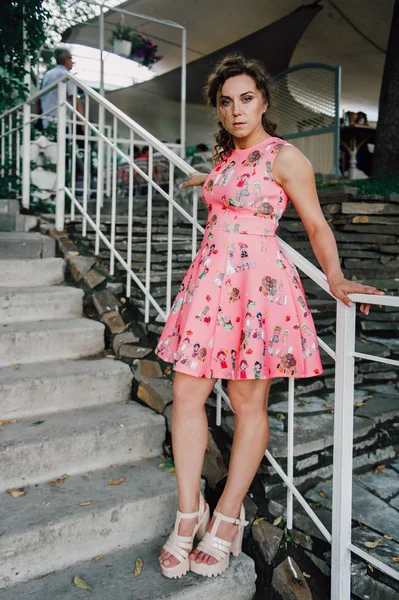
[241, 312]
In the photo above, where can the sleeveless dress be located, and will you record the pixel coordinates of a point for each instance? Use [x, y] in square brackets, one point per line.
[241, 311]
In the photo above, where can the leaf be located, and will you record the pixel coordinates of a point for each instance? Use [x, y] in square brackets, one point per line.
[395, 559]
[280, 416]
[81, 584]
[8, 422]
[358, 404]
[59, 480]
[16, 366]
[258, 520]
[327, 405]
[322, 494]
[123, 300]
[172, 471]
[278, 520]
[96, 558]
[372, 544]
[16, 493]
[37, 423]
[370, 567]
[116, 481]
[88, 503]
[161, 465]
[138, 565]
[379, 469]
[110, 356]
[388, 537]
[305, 574]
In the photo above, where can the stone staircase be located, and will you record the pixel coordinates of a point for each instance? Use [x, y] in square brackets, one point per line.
[12, 220]
[80, 456]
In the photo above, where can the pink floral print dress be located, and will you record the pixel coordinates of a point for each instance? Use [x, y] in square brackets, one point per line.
[241, 311]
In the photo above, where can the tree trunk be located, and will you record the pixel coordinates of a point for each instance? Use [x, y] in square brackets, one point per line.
[386, 158]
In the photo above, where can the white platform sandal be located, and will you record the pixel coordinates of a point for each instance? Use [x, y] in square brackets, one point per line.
[180, 546]
[219, 548]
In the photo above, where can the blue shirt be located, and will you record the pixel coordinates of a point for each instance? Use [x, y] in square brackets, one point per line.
[50, 101]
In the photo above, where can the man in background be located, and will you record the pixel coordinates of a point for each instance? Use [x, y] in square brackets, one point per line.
[49, 101]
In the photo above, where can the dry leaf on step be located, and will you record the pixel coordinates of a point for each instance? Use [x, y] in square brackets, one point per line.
[322, 494]
[81, 584]
[116, 481]
[16, 493]
[110, 356]
[278, 520]
[379, 469]
[388, 537]
[305, 574]
[96, 558]
[88, 503]
[8, 422]
[358, 404]
[138, 565]
[172, 471]
[258, 520]
[59, 480]
[16, 366]
[395, 559]
[373, 544]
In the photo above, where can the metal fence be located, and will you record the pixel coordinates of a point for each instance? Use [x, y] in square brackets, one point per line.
[15, 125]
[306, 105]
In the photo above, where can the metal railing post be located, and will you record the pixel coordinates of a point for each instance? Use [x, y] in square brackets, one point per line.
[343, 449]
[61, 156]
[100, 176]
[26, 157]
[290, 452]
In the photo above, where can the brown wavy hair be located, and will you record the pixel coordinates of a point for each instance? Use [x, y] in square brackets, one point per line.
[231, 66]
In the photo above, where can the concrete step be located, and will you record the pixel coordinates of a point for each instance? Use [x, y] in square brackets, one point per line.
[113, 577]
[34, 304]
[76, 441]
[34, 342]
[9, 206]
[26, 245]
[20, 272]
[17, 223]
[63, 385]
[48, 529]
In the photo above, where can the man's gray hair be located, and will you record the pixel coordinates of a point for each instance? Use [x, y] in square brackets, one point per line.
[61, 55]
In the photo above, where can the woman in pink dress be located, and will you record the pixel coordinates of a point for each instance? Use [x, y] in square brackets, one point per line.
[241, 310]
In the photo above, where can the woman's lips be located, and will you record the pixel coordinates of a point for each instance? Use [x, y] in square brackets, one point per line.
[239, 124]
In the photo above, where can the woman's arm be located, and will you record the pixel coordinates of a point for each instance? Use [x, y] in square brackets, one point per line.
[295, 174]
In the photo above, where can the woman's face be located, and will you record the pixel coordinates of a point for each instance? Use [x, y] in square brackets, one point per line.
[240, 106]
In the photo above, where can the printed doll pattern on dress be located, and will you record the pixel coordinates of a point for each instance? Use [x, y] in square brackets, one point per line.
[241, 311]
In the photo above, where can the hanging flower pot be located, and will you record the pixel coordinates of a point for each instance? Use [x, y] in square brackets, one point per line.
[122, 47]
[121, 40]
[144, 51]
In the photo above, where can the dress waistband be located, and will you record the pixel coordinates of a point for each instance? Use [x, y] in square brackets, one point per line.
[242, 229]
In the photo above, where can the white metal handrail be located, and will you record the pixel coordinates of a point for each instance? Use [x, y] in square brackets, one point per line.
[108, 140]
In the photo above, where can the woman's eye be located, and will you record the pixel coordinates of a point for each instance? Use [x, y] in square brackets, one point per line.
[247, 98]
[224, 102]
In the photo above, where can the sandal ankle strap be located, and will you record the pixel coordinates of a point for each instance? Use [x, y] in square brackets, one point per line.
[221, 517]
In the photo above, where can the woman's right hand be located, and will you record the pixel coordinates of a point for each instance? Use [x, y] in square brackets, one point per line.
[196, 179]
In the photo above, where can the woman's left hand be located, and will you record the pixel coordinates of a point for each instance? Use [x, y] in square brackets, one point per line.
[341, 287]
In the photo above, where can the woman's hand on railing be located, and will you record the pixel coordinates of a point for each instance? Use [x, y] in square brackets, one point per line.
[341, 287]
[196, 179]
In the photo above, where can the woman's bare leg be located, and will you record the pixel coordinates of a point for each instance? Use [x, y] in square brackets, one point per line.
[189, 439]
[249, 400]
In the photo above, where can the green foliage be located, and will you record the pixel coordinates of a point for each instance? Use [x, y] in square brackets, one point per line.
[383, 186]
[121, 32]
[14, 51]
